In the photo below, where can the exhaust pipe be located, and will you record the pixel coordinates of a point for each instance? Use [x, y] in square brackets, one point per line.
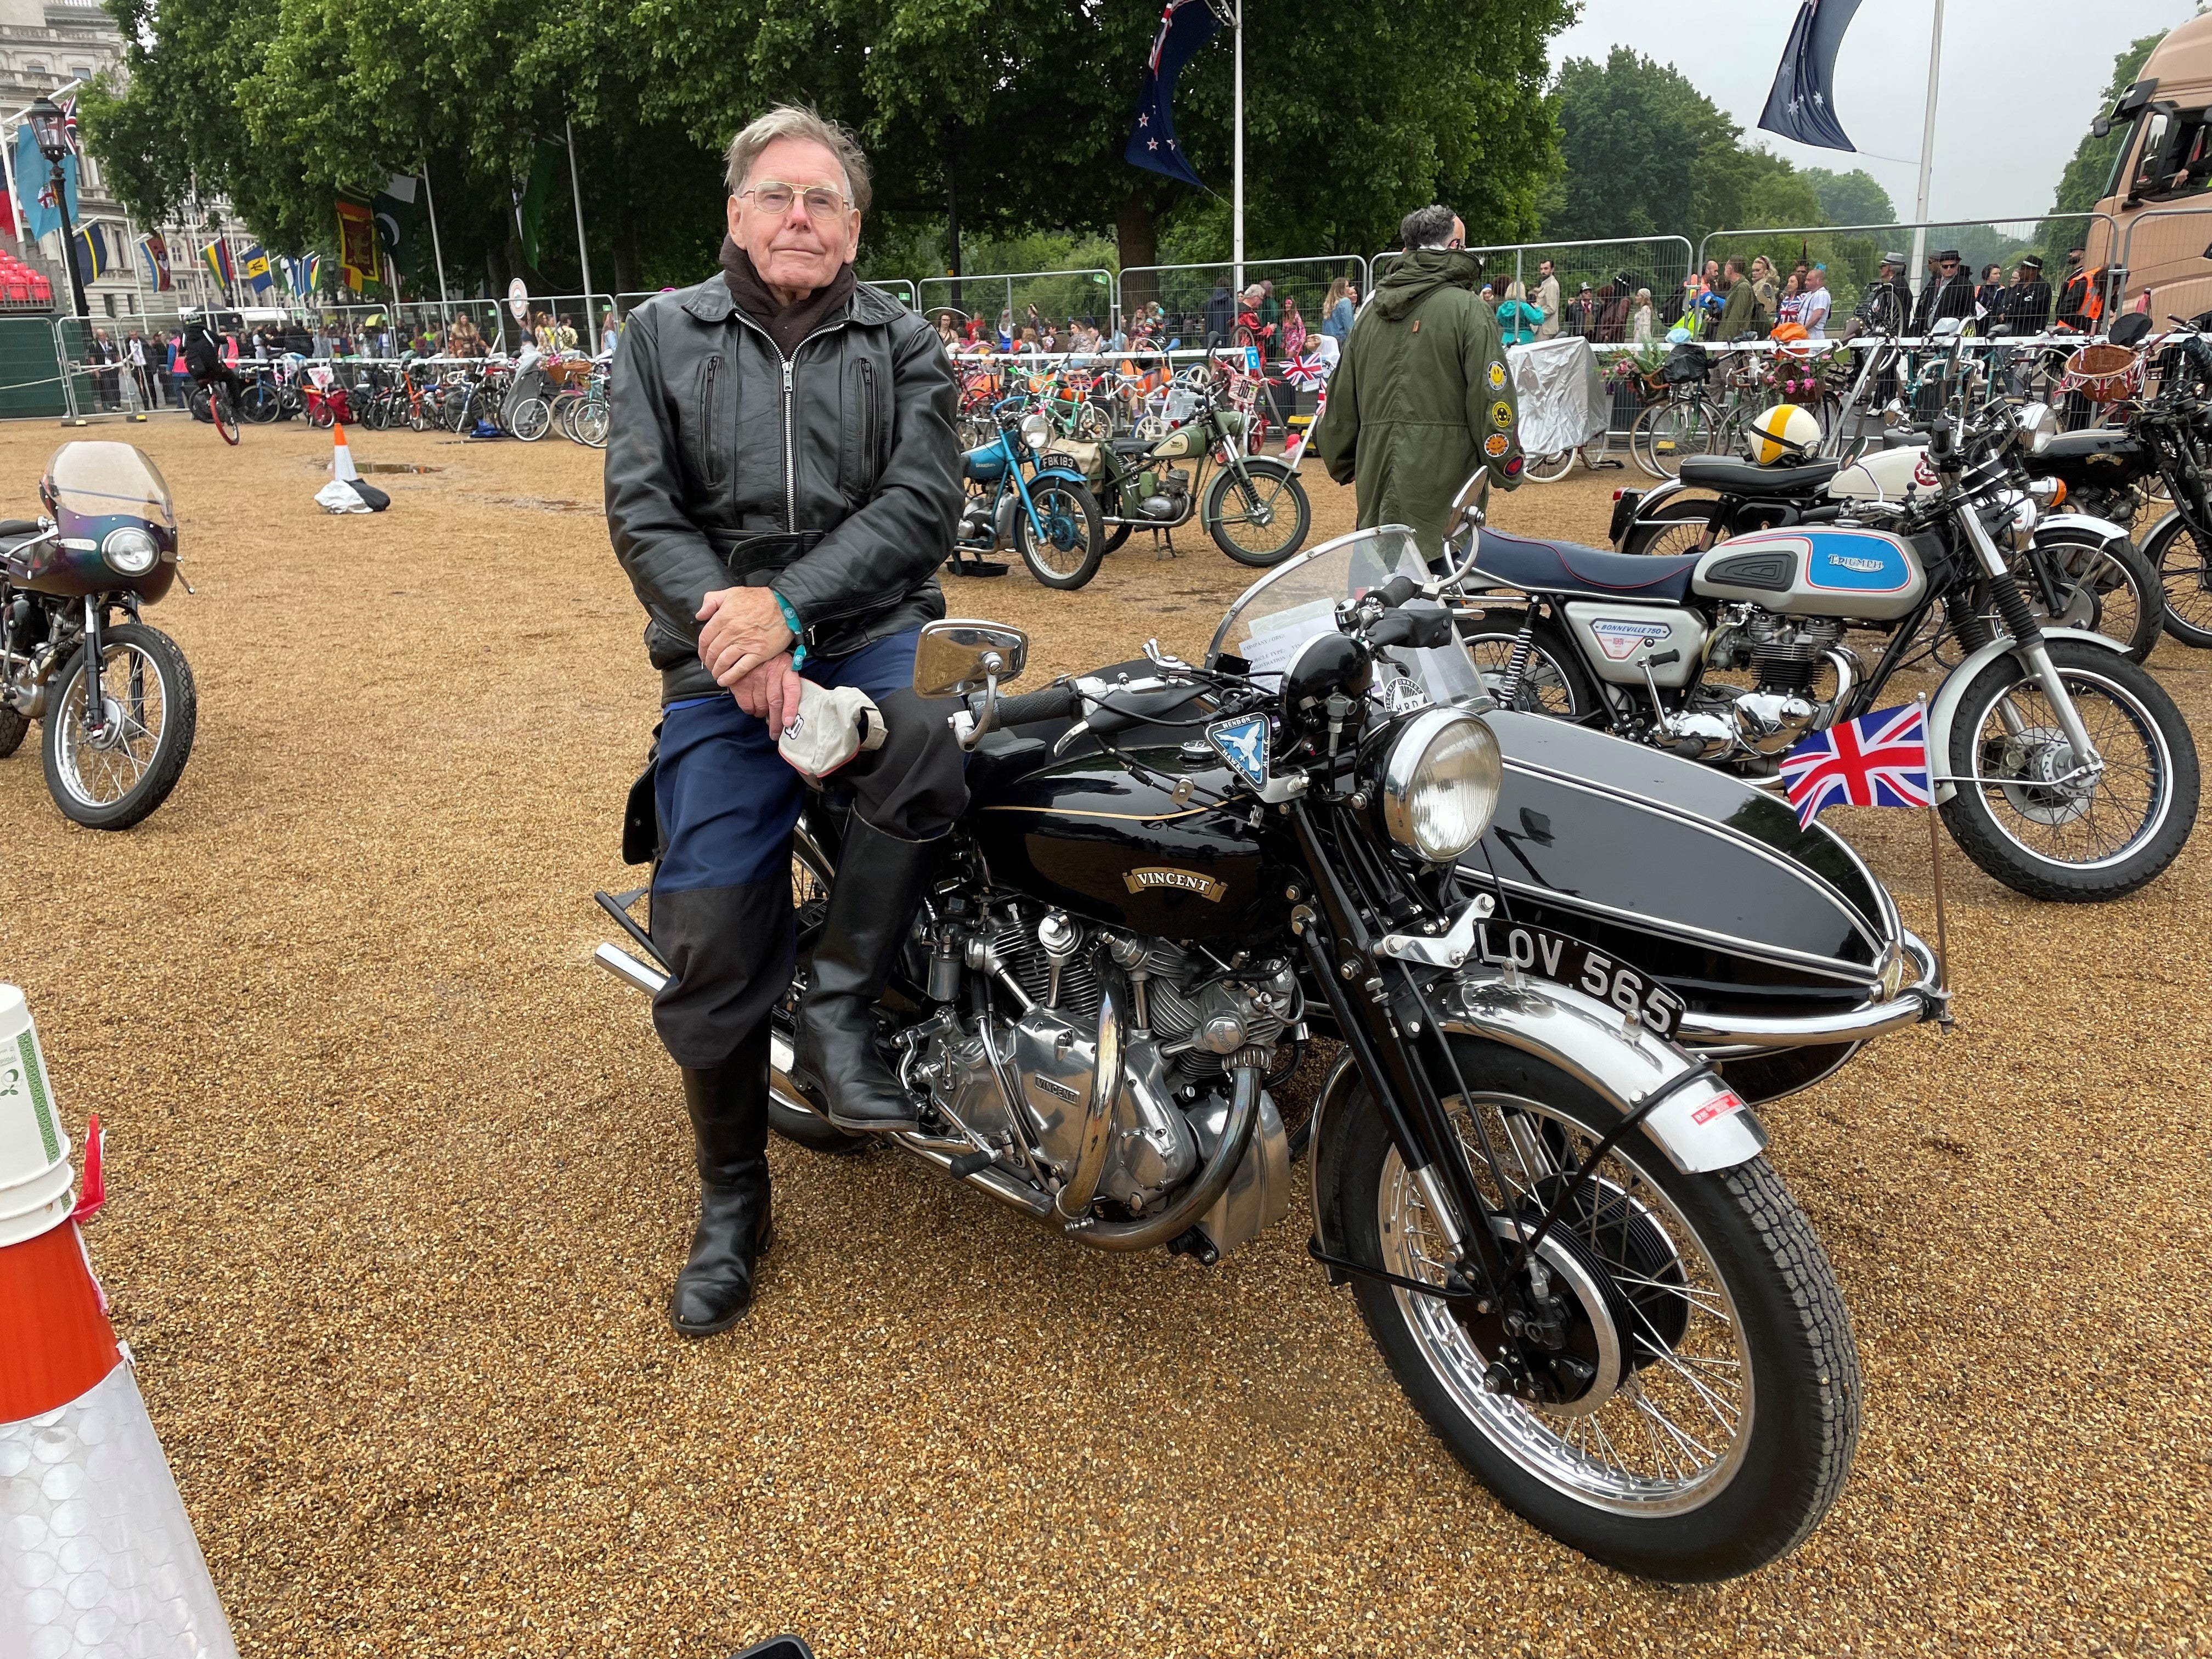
[629, 970]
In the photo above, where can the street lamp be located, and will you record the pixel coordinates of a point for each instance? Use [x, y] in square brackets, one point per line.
[49, 131]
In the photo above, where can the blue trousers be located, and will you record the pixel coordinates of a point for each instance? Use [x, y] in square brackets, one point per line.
[727, 800]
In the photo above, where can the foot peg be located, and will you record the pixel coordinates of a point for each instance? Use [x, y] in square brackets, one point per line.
[969, 1164]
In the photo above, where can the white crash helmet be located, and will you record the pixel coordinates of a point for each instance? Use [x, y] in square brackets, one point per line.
[1783, 435]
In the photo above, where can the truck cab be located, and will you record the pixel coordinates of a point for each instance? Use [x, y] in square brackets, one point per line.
[2157, 234]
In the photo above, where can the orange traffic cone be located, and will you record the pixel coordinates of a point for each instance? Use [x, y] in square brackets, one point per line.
[342, 467]
[97, 1555]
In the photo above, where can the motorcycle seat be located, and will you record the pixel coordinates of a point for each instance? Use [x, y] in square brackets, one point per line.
[1544, 567]
[1732, 477]
[1130, 446]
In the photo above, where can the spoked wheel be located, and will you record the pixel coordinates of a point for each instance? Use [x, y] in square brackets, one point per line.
[788, 1114]
[589, 426]
[1262, 522]
[530, 420]
[109, 770]
[223, 413]
[1673, 527]
[1067, 555]
[2105, 588]
[2027, 810]
[1694, 1413]
[1673, 430]
[2184, 575]
[1549, 468]
[1552, 680]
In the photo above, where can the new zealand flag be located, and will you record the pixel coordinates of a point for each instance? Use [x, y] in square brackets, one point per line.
[1185, 26]
[1802, 105]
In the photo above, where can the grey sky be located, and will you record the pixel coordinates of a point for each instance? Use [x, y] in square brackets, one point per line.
[2019, 83]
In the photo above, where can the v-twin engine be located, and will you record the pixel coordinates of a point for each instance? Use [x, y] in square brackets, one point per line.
[1074, 1008]
[1786, 655]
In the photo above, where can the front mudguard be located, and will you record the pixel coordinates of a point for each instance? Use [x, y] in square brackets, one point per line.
[1697, 1122]
[1945, 707]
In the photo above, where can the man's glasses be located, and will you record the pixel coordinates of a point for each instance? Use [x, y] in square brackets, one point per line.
[822, 203]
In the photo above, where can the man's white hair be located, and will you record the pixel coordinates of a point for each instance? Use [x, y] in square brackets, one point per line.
[794, 121]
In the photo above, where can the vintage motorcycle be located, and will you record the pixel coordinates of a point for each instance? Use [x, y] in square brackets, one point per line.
[1556, 1219]
[1255, 507]
[117, 734]
[1019, 496]
[2080, 570]
[2063, 769]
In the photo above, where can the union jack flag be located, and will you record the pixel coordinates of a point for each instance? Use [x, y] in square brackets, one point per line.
[1307, 371]
[1877, 760]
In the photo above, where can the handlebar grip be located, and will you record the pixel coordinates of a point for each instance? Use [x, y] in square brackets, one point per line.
[1052, 704]
[1395, 592]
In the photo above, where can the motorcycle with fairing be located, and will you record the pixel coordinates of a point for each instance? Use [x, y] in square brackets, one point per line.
[1556, 1219]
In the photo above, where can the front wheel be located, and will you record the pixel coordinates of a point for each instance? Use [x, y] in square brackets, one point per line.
[1549, 468]
[2026, 812]
[223, 413]
[2185, 573]
[1067, 553]
[1261, 519]
[1694, 1414]
[109, 768]
[530, 420]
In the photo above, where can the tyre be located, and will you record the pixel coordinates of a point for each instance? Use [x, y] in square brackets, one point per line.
[1116, 535]
[2184, 564]
[14, 723]
[1701, 1414]
[1677, 526]
[2018, 812]
[110, 777]
[201, 405]
[1675, 429]
[223, 413]
[1073, 542]
[2108, 588]
[263, 404]
[591, 424]
[1259, 523]
[530, 420]
[1549, 468]
[1553, 680]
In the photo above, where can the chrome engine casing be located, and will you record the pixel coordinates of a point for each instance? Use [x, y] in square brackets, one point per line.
[1177, 1057]
[1786, 654]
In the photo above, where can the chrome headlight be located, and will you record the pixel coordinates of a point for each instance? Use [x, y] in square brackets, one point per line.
[2016, 519]
[1035, 431]
[129, 551]
[1440, 783]
[2038, 424]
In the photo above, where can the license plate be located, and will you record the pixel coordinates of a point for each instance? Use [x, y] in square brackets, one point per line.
[1569, 962]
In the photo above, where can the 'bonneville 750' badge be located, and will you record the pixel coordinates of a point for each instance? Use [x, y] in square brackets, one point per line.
[1243, 744]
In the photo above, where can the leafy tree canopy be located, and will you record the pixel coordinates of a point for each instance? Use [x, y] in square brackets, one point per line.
[1850, 198]
[1015, 110]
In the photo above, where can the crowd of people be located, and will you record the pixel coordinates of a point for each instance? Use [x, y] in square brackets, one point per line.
[1262, 316]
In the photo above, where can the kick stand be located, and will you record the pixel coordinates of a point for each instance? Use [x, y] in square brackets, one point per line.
[1164, 545]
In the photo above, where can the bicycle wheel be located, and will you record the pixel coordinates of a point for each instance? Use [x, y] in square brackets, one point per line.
[1549, 468]
[591, 424]
[530, 420]
[1677, 429]
[223, 413]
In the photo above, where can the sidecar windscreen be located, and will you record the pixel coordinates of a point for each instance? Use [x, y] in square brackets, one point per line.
[86, 482]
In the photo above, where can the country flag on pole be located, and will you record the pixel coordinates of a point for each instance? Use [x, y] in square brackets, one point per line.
[217, 255]
[1877, 760]
[1308, 371]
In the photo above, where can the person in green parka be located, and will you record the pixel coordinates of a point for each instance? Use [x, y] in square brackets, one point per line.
[1742, 313]
[1422, 394]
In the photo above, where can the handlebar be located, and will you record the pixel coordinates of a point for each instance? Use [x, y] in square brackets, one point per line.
[1053, 702]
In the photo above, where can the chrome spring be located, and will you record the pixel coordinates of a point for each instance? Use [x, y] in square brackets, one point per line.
[1509, 683]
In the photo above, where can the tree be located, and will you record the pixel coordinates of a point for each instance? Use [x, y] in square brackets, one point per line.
[1850, 198]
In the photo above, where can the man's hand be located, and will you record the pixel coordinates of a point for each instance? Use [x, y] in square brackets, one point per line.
[744, 627]
[770, 692]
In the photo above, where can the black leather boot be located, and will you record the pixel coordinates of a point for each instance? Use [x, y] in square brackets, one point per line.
[728, 1106]
[879, 884]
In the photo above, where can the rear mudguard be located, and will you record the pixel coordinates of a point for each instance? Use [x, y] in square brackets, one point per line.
[1699, 1123]
[1945, 707]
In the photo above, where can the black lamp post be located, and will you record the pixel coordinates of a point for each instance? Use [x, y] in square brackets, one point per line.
[49, 129]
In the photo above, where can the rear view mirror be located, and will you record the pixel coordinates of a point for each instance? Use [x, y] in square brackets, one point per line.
[956, 657]
[1466, 521]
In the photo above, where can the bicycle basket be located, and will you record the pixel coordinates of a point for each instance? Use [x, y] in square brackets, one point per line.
[2103, 374]
[1686, 365]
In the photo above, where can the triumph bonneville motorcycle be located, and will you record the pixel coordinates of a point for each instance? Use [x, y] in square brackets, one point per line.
[1556, 1222]
[2063, 769]
[116, 697]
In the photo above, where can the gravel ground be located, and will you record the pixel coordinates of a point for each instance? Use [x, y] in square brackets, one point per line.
[401, 1180]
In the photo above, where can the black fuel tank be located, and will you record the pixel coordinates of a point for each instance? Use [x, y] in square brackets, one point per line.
[1084, 833]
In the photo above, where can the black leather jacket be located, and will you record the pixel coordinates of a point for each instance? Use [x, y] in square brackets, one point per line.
[833, 477]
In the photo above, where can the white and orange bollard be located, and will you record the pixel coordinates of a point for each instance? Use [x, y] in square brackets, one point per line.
[97, 1556]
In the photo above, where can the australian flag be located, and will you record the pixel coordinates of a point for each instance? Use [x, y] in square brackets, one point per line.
[1185, 26]
[1877, 760]
[1802, 105]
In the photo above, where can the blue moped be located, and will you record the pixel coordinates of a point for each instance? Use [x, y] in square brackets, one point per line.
[1018, 494]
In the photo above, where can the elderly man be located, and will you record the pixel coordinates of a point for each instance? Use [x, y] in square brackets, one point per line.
[782, 480]
[1422, 395]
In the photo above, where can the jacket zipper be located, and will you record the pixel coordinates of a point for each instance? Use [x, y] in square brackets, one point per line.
[708, 421]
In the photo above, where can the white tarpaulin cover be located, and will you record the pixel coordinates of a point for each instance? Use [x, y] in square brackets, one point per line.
[1562, 394]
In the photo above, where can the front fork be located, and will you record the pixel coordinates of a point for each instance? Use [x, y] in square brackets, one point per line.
[2027, 645]
[96, 699]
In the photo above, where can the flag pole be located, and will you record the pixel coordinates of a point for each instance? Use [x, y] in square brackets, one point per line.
[1236, 187]
[437, 251]
[576, 196]
[1927, 153]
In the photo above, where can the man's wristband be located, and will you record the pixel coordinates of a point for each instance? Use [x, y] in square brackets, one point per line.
[798, 632]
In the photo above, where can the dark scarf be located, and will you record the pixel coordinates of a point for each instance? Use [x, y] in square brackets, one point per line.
[785, 324]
